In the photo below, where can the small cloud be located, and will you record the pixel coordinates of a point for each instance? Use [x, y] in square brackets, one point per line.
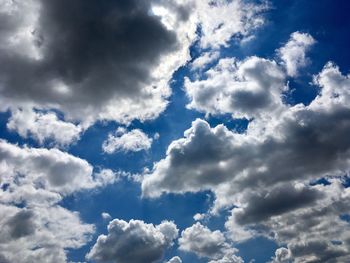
[132, 141]
[106, 216]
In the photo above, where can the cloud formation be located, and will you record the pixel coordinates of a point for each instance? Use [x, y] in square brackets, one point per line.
[133, 242]
[208, 244]
[33, 226]
[245, 89]
[266, 172]
[175, 260]
[293, 53]
[43, 127]
[106, 61]
[127, 141]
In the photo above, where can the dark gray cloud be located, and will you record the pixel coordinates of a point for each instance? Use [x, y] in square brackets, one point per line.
[21, 224]
[133, 242]
[264, 204]
[84, 55]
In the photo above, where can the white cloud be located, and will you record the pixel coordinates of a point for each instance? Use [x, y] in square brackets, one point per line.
[205, 58]
[133, 241]
[282, 255]
[175, 260]
[207, 244]
[40, 234]
[33, 226]
[245, 89]
[43, 127]
[293, 53]
[265, 172]
[222, 20]
[132, 141]
[106, 216]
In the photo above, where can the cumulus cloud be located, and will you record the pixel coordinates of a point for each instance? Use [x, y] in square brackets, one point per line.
[245, 89]
[175, 260]
[282, 255]
[221, 20]
[106, 216]
[43, 127]
[88, 58]
[34, 227]
[133, 241]
[48, 169]
[106, 61]
[40, 234]
[293, 53]
[132, 141]
[208, 244]
[265, 173]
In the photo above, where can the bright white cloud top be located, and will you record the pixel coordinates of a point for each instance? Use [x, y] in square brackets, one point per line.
[132, 141]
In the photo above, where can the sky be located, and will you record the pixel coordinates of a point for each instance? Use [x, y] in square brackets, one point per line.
[180, 131]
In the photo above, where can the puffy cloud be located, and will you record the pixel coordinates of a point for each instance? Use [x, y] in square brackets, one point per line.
[265, 173]
[106, 216]
[282, 255]
[209, 244]
[109, 61]
[33, 226]
[298, 140]
[175, 260]
[133, 241]
[293, 53]
[52, 169]
[40, 234]
[221, 20]
[278, 200]
[48, 169]
[132, 141]
[245, 89]
[315, 233]
[88, 58]
[43, 127]
[205, 58]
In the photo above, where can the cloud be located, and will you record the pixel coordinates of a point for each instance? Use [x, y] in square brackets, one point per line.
[295, 138]
[265, 173]
[43, 127]
[293, 53]
[205, 58]
[85, 58]
[109, 61]
[106, 216]
[278, 200]
[175, 260]
[133, 241]
[48, 169]
[222, 20]
[282, 255]
[33, 226]
[245, 89]
[208, 244]
[40, 234]
[132, 141]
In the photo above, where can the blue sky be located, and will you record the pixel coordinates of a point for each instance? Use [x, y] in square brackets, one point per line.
[264, 119]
